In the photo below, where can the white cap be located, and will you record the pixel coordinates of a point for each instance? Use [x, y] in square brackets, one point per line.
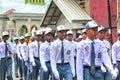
[83, 31]
[80, 36]
[91, 24]
[101, 28]
[55, 34]
[38, 33]
[69, 32]
[118, 32]
[49, 30]
[5, 33]
[27, 35]
[21, 37]
[61, 27]
[15, 38]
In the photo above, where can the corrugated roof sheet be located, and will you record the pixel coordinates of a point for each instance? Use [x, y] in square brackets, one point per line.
[72, 11]
[33, 8]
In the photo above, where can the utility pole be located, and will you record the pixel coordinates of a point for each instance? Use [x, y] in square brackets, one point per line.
[109, 18]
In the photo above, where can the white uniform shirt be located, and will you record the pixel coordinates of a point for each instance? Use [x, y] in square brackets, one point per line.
[78, 62]
[10, 47]
[15, 48]
[34, 50]
[107, 45]
[20, 54]
[45, 53]
[55, 54]
[25, 50]
[84, 56]
[74, 47]
[116, 52]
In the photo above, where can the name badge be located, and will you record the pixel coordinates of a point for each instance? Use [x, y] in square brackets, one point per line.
[99, 55]
[68, 52]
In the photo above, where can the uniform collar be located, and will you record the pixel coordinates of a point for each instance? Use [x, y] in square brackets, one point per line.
[72, 41]
[90, 41]
[37, 41]
[118, 41]
[4, 42]
[60, 40]
[25, 43]
[47, 42]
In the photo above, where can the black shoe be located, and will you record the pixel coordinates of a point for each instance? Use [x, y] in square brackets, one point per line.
[17, 76]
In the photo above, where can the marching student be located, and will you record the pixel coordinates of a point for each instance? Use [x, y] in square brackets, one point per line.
[116, 54]
[6, 52]
[45, 56]
[74, 47]
[26, 53]
[20, 58]
[62, 57]
[101, 36]
[84, 34]
[16, 41]
[35, 53]
[91, 54]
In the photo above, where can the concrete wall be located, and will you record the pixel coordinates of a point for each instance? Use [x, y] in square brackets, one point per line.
[63, 21]
[3, 23]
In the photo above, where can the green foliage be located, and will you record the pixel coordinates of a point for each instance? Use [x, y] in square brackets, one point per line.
[21, 31]
[35, 1]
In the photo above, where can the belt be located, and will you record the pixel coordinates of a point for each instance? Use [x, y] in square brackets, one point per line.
[36, 57]
[75, 57]
[47, 61]
[96, 68]
[6, 58]
[62, 64]
[118, 61]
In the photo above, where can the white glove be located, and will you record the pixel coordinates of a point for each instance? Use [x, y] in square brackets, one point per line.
[103, 69]
[45, 69]
[114, 74]
[73, 74]
[116, 70]
[33, 64]
[20, 58]
[10, 55]
[57, 75]
[26, 63]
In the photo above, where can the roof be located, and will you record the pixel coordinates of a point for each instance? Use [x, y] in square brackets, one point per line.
[32, 8]
[70, 9]
[9, 11]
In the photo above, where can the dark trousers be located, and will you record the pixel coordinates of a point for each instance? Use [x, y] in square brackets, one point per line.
[6, 69]
[36, 69]
[21, 70]
[47, 75]
[16, 64]
[118, 77]
[28, 71]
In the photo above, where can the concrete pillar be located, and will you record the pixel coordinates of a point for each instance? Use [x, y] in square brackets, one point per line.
[118, 14]
[87, 6]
